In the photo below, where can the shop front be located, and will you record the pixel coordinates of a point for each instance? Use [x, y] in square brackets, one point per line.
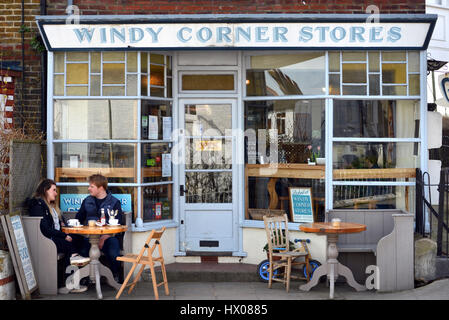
[201, 123]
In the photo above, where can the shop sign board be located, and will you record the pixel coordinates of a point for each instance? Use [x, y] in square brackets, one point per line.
[237, 35]
[72, 202]
[301, 208]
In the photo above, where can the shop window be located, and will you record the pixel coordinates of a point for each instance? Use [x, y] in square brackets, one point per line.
[156, 76]
[95, 119]
[75, 162]
[281, 138]
[376, 118]
[394, 73]
[286, 74]
[156, 162]
[157, 203]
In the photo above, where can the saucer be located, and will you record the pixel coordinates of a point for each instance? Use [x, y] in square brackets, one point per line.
[113, 225]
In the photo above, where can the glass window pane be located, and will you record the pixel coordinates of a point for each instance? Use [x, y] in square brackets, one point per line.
[208, 153]
[413, 83]
[354, 90]
[59, 85]
[162, 111]
[394, 73]
[77, 73]
[74, 162]
[372, 155]
[208, 187]
[77, 56]
[95, 84]
[113, 73]
[153, 154]
[157, 203]
[131, 62]
[59, 62]
[373, 61]
[144, 62]
[393, 56]
[394, 90]
[144, 85]
[208, 82]
[376, 118]
[374, 84]
[113, 91]
[95, 62]
[169, 65]
[157, 75]
[131, 85]
[157, 92]
[374, 197]
[91, 119]
[413, 61]
[114, 56]
[208, 119]
[157, 58]
[77, 91]
[286, 74]
[282, 131]
[334, 84]
[354, 55]
[169, 88]
[354, 73]
[334, 61]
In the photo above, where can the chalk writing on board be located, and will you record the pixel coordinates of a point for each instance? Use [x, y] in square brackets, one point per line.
[23, 251]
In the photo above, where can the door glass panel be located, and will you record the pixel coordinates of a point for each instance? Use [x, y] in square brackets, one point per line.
[208, 187]
[208, 153]
[207, 119]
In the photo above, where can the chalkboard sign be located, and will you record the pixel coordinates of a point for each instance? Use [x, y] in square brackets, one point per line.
[20, 254]
[301, 208]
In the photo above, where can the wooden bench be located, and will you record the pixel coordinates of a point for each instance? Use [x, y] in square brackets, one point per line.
[389, 240]
[44, 254]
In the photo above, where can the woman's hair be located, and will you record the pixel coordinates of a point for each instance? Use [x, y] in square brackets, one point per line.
[41, 190]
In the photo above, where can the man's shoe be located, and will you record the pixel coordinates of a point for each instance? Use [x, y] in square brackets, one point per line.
[63, 290]
[81, 289]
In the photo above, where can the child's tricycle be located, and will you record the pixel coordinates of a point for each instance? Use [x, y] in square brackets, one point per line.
[262, 268]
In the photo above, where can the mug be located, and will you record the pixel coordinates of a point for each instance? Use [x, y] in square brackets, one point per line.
[91, 223]
[73, 222]
[113, 222]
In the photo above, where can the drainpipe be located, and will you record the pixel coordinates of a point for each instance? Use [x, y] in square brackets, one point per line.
[43, 4]
[21, 122]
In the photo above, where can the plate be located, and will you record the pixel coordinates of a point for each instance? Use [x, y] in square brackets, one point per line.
[74, 226]
[113, 225]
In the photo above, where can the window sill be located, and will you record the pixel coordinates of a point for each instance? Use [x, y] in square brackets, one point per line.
[258, 224]
[148, 226]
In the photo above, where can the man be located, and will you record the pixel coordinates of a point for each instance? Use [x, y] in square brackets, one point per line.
[101, 198]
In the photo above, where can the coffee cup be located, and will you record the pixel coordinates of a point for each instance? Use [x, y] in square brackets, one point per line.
[113, 222]
[336, 222]
[73, 222]
[91, 223]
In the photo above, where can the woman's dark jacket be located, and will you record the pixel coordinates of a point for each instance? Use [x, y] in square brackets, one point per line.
[38, 208]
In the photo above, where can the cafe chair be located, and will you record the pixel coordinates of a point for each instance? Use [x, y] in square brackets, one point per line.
[279, 253]
[152, 242]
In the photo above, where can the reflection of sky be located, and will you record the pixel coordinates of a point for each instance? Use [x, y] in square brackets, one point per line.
[309, 76]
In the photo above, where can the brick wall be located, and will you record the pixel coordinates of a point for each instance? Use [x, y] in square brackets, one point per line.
[88, 7]
[28, 92]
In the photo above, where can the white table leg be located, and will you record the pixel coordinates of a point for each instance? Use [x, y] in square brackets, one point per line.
[94, 255]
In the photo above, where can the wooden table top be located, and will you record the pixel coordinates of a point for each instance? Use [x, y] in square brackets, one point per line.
[326, 227]
[107, 229]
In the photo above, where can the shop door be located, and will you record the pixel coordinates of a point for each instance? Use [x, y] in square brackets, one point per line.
[208, 212]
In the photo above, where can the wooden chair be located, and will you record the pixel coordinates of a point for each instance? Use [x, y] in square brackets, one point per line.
[150, 245]
[276, 228]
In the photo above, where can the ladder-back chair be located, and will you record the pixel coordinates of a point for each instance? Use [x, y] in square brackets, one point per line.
[150, 245]
[276, 228]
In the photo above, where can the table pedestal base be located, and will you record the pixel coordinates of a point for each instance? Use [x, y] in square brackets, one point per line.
[95, 269]
[332, 268]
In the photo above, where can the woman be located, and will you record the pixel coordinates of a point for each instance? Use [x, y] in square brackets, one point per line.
[43, 204]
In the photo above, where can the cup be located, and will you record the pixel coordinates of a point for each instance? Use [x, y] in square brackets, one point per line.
[73, 222]
[336, 222]
[91, 223]
[113, 222]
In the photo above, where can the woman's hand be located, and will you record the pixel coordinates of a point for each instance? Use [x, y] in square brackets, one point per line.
[68, 238]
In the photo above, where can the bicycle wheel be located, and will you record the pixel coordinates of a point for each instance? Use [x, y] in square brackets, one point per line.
[262, 271]
[314, 264]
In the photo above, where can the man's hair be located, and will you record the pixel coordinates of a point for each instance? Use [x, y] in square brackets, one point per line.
[99, 181]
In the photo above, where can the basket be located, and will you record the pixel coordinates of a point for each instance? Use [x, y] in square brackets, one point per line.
[257, 214]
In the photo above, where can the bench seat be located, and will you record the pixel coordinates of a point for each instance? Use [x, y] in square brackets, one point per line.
[368, 247]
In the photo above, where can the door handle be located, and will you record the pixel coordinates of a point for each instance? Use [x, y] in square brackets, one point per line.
[181, 190]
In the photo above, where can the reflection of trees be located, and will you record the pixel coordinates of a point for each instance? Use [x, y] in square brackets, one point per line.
[209, 187]
[286, 84]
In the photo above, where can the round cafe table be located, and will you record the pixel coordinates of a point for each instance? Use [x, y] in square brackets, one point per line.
[332, 268]
[95, 268]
